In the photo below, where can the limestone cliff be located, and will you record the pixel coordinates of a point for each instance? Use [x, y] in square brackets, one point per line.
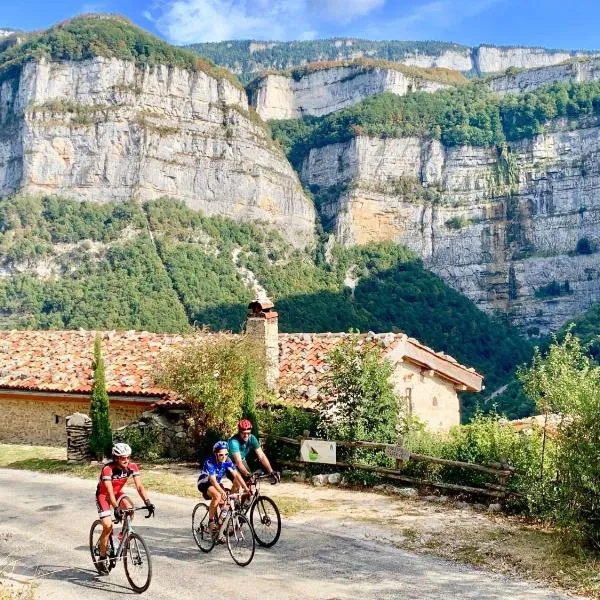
[575, 71]
[516, 231]
[106, 129]
[248, 58]
[318, 93]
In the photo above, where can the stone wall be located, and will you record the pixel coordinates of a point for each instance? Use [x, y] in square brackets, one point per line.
[42, 421]
[431, 399]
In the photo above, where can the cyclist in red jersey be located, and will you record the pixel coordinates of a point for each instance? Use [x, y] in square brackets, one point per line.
[109, 493]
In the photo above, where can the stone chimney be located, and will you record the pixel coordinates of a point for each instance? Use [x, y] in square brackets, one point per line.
[262, 325]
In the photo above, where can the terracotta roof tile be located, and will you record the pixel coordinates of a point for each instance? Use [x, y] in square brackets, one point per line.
[61, 361]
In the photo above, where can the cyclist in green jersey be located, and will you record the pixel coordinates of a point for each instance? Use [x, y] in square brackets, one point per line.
[242, 444]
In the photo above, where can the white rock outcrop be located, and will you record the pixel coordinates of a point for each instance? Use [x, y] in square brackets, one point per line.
[106, 129]
[324, 91]
[576, 71]
[502, 229]
[493, 59]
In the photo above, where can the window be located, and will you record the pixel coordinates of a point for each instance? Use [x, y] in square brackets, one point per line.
[435, 401]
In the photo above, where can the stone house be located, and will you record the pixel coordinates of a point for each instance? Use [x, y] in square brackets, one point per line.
[48, 375]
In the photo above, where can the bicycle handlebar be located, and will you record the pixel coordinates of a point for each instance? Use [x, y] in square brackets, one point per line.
[130, 511]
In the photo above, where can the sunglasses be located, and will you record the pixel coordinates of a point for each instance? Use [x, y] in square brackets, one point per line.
[223, 455]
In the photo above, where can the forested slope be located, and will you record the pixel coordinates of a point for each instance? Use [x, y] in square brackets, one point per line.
[165, 267]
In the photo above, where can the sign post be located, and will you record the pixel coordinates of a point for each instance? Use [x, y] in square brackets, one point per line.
[397, 452]
[318, 451]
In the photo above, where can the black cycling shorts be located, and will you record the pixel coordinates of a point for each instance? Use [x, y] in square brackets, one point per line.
[203, 489]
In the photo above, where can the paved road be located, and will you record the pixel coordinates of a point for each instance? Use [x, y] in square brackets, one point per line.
[44, 524]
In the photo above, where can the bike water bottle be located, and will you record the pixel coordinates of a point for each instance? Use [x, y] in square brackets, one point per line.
[224, 513]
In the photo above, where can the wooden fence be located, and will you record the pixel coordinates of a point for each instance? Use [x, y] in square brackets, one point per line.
[501, 471]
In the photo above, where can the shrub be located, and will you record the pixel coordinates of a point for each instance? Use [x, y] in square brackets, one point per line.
[457, 222]
[566, 381]
[208, 373]
[585, 246]
[365, 407]
[286, 422]
[145, 439]
[487, 439]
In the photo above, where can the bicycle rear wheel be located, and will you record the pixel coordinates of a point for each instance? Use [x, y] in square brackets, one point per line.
[200, 530]
[240, 539]
[266, 521]
[137, 563]
[95, 533]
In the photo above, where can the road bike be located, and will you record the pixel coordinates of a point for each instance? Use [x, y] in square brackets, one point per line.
[264, 514]
[131, 547]
[233, 528]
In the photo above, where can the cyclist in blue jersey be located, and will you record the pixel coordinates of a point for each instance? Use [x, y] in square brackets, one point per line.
[240, 446]
[215, 467]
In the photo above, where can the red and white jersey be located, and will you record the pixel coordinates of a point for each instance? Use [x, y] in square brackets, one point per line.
[117, 476]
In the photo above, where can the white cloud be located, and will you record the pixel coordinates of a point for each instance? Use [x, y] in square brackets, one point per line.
[186, 21]
[430, 20]
[343, 11]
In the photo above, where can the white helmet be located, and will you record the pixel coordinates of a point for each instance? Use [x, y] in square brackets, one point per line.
[121, 450]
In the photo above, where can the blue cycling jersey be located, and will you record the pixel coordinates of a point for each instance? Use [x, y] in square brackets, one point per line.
[212, 466]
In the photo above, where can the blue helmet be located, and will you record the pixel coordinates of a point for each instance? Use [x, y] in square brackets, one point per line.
[220, 446]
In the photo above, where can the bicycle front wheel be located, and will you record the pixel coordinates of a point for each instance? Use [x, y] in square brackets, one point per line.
[95, 533]
[137, 563]
[240, 540]
[200, 528]
[266, 521]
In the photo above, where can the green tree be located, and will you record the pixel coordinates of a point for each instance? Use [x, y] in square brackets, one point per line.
[249, 400]
[567, 381]
[208, 373]
[364, 404]
[101, 438]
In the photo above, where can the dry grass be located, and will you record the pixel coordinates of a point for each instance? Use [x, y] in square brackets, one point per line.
[515, 547]
[11, 591]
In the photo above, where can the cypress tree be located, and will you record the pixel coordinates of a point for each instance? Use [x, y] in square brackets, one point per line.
[249, 401]
[101, 438]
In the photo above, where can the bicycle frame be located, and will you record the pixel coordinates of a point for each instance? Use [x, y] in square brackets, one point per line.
[231, 502]
[126, 530]
[255, 493]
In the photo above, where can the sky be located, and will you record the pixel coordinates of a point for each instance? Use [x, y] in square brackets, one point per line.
[546, 23]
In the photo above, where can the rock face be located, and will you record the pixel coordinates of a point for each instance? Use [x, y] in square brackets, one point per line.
[525, 81]
[492, 59]
[250, 58]
[325, 91]
[515, 232]
[483, 60]
[105, 129]
[459, 60]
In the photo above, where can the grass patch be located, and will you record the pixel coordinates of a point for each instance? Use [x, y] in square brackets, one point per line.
[290, 506]
[9, 591]
[527, 550]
